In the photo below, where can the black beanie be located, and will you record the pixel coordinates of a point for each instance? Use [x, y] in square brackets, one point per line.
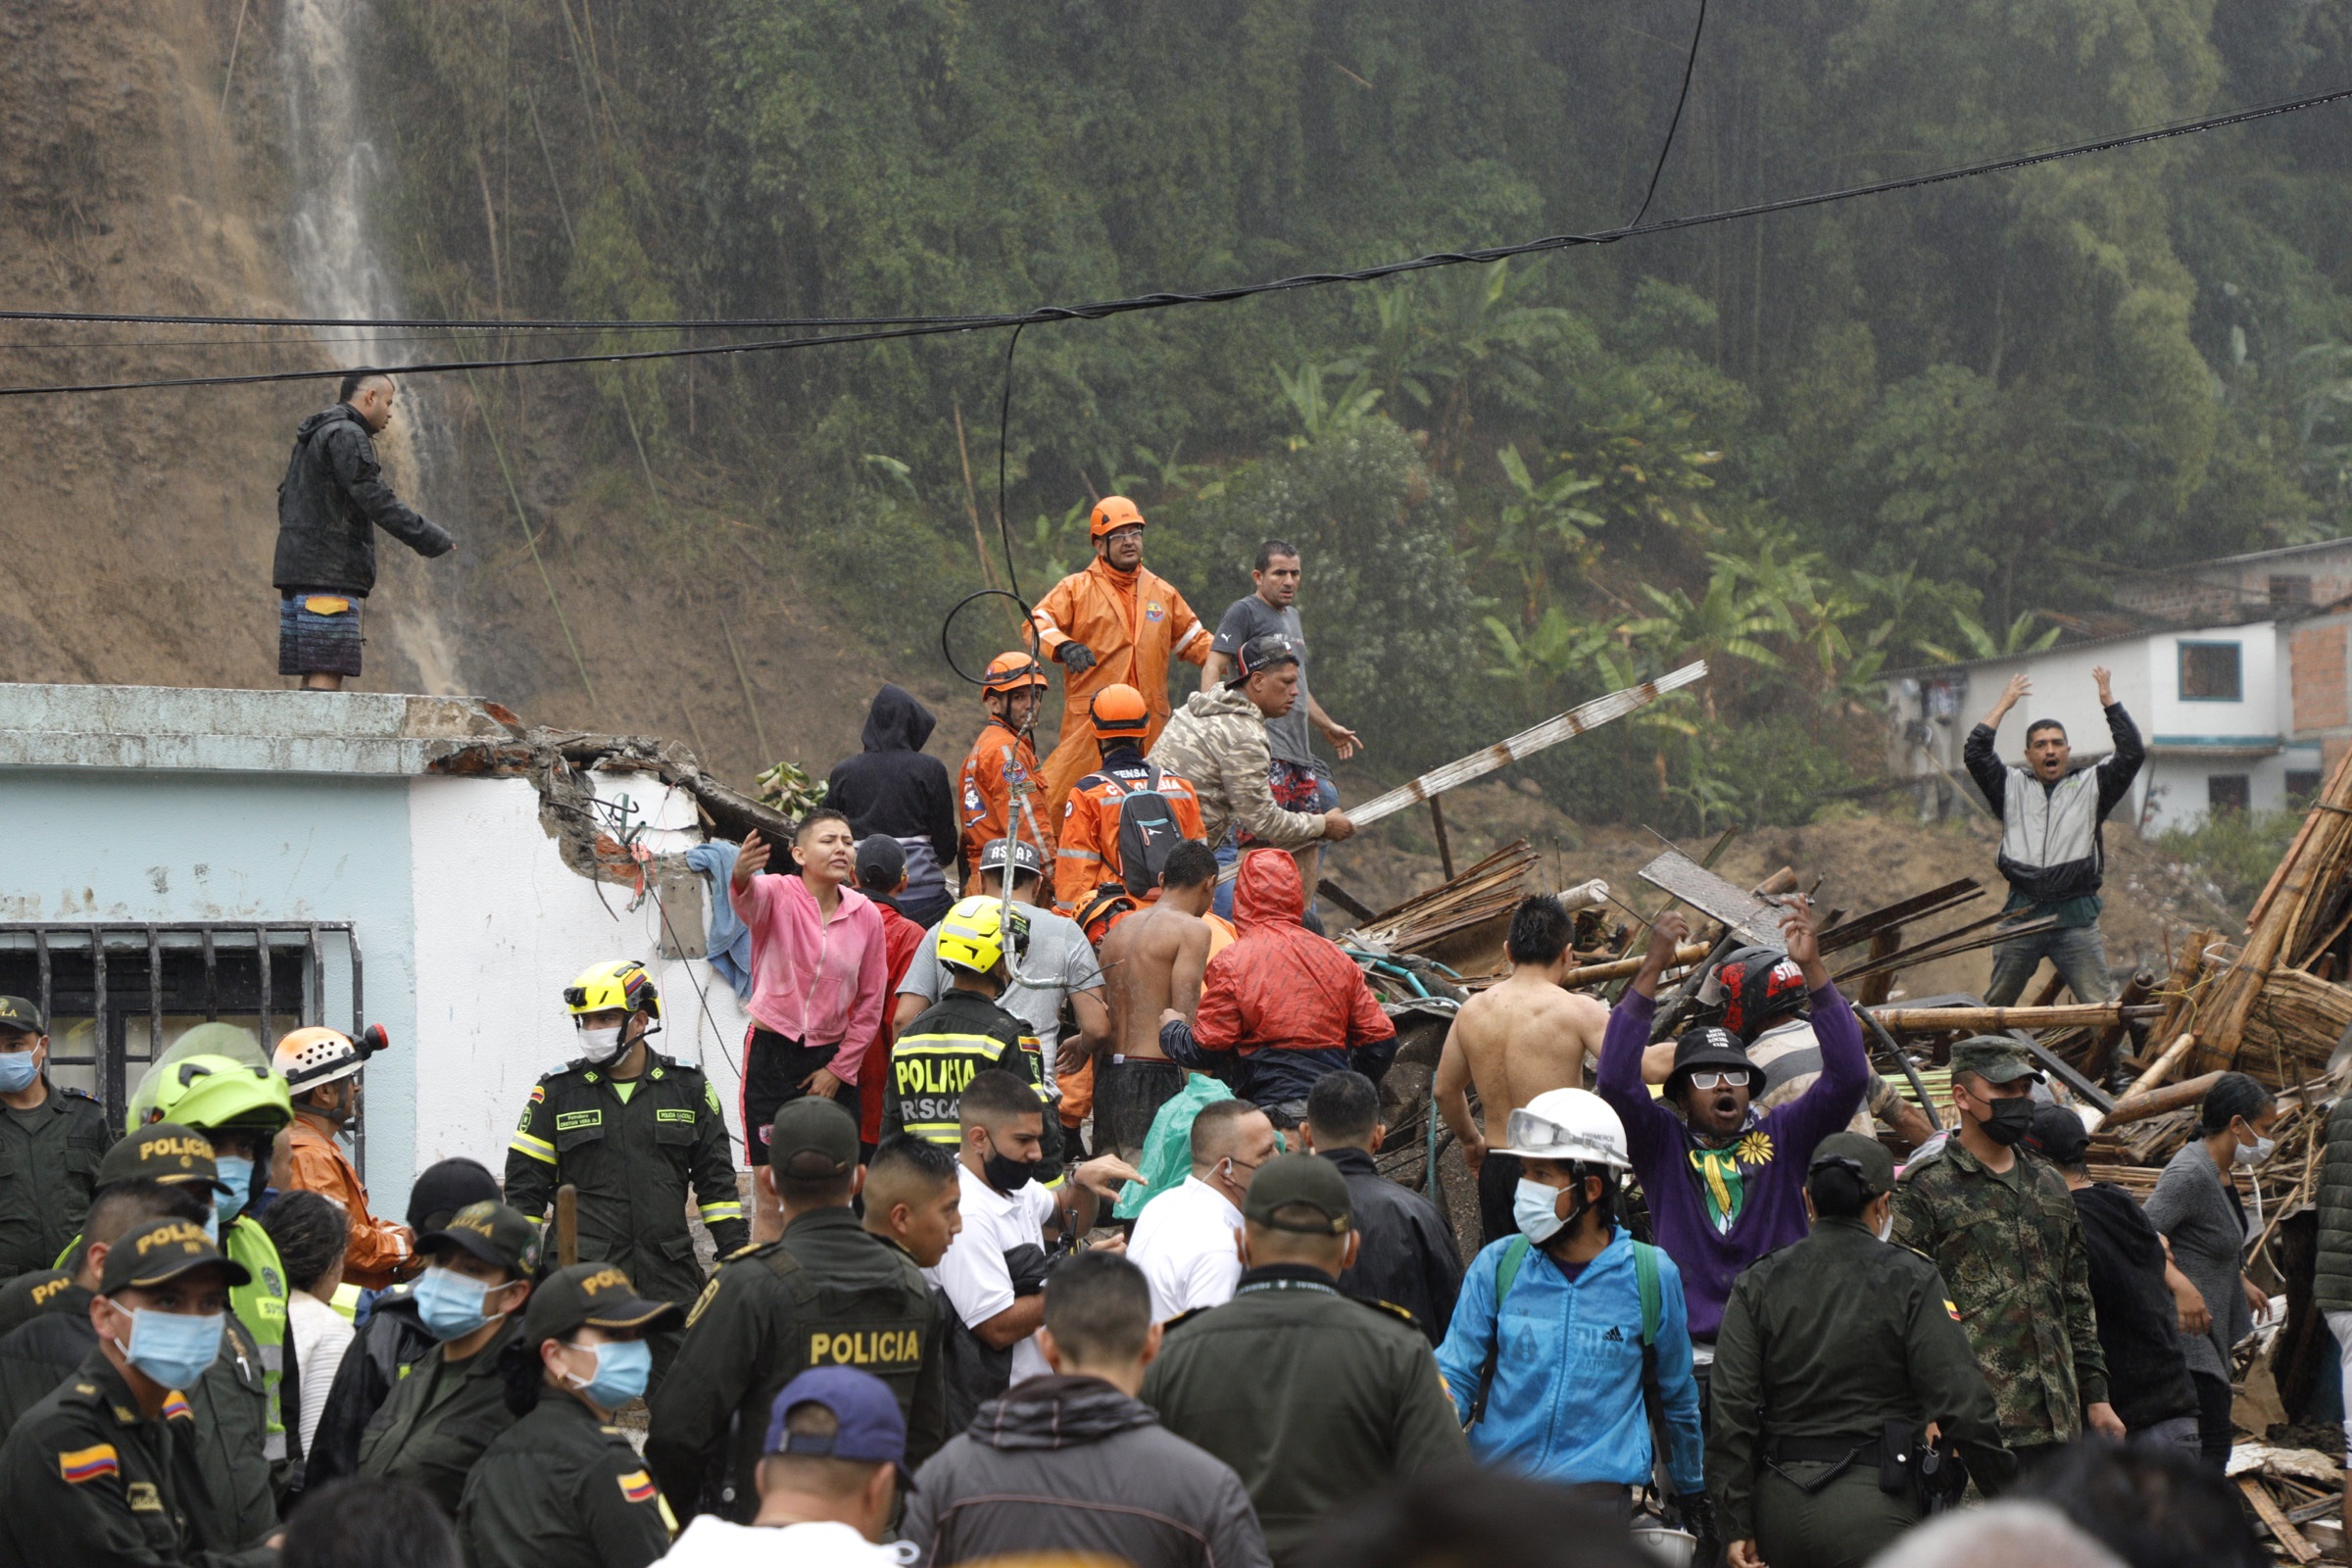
[442, 1190]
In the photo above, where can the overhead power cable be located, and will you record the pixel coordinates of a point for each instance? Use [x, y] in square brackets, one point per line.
[932, 326]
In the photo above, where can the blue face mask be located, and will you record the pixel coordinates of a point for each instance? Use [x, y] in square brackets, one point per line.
[236, 1174]
[450, 1304]
[18, 1070]
[172, 1347]
[622, 1367]
[1535, 1210]
[211, 1228]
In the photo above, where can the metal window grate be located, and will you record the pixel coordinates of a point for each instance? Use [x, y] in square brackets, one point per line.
[117, 994]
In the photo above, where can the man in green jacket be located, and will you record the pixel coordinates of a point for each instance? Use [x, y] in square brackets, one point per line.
[826, 1293]
[442, 1416]
[51, 1141]
[1314, 1398]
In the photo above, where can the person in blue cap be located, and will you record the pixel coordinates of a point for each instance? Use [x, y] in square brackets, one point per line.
[829, 1480]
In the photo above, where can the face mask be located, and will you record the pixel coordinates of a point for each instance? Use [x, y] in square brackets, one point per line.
[1005, 1175]
[2011, 1119]
[1887, 1227]
[1534, 1209]
[18, 1070]
[450, 1304]
[236, 1174]
[622, 1367]
[172, 1347]
[601, 1045]
[2255, 1152]
[211, 1228]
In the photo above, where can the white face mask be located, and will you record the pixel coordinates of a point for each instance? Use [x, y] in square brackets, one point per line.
[2255, 1152]
[601, 1045]
[1887, 1227]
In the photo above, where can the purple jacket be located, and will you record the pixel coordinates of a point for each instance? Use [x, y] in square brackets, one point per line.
[1715, 1211]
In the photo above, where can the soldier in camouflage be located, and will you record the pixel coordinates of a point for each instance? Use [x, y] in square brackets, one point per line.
[2000, 1224]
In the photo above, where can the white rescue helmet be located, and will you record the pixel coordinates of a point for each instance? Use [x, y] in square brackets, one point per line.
[1567, 1124]
[310, 1057]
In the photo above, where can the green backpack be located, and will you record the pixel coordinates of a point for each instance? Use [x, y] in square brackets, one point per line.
[1645, 1281]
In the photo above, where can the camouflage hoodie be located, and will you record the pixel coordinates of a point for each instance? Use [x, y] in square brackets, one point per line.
[1218, 742]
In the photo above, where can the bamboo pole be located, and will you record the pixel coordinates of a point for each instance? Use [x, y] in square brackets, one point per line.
[2156, 1101]
[1618, 968]
[1987, 1020]
[2162, 1067]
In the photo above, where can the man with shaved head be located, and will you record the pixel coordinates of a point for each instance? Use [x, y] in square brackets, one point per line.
[1184, 1238]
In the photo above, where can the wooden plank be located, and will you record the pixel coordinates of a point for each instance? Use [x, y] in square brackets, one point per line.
[1617, 969]
[1986, 1020]
[2274, 1520]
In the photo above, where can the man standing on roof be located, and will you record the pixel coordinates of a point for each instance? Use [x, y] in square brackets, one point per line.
[1220, 744]
[2051, 849]
[1283, 1005]
[1112, 624]
[1002, 758]
[1121, 822]
[329, 505]
[891, 787]
[50, 1143]
[322, 1069]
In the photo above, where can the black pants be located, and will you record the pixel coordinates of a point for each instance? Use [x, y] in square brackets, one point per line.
[1128, 1094]
[2214, 1429]
[776, 1070]
[1497, 1185]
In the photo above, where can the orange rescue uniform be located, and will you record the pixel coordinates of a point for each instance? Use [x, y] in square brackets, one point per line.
[381, 1251]
[1088, 851]
[998, 760]
[1132, 622]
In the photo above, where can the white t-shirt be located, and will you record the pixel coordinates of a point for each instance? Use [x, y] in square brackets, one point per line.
[320, 1335]
[1057, 951]
[710, 1542]
[973, 1272]
[1183, 1241]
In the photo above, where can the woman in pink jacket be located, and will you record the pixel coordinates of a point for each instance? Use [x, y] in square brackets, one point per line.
[819, 978]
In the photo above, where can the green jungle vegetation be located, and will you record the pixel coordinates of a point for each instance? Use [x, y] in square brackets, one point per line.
[1809, 448]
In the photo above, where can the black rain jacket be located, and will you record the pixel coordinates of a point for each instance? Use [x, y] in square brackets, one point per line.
[329, 505]
[891, 787]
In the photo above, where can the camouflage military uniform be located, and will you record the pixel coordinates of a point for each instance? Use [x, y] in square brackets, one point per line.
[2011, 1248]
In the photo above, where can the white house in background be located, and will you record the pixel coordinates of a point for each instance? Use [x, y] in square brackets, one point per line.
[2215, 706]
[275, 857]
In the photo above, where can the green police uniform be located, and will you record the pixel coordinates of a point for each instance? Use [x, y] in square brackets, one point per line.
[1823, 1343]
[48, 1169]
[35, 1295]
[561, 1490]
[635, 1149]
[440, 1416]
[2010, 1245]
[1308, 1394]
[828, 1292]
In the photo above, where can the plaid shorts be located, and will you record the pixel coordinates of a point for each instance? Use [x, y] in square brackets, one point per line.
[318, 634]
[1295, 787]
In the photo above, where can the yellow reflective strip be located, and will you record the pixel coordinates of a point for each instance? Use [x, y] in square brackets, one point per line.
[538, 1149]
[713, 1211]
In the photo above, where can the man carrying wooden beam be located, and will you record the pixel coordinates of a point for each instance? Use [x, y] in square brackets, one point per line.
[2051, 850]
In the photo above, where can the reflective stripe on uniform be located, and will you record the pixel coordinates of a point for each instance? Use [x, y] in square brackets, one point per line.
[538, 1149]
[1076, 854]
[1185, 641]
[713, 1213]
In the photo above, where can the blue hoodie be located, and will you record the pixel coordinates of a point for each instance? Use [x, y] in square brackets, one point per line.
[1566, 1404]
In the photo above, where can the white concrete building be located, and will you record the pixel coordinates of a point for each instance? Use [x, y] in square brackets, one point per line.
[279, 856]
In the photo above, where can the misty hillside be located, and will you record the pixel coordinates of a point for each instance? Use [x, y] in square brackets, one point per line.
[1807, 446]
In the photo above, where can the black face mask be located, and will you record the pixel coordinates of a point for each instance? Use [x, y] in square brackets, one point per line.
[2011, 1119]
[1005, 1174]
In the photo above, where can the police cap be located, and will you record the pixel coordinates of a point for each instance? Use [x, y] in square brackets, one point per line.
[164, 1151]
[1995, 1058]
[163, 1250]
[1295, 1182]
[594, 1296]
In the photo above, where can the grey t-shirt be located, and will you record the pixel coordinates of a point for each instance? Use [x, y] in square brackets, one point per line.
[1057, 948]
[1290, 737]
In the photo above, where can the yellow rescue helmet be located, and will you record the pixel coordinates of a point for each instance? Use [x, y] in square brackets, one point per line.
[973, 937]
[620, 985]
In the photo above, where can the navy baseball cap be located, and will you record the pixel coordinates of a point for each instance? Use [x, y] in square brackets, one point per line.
[867, 1426]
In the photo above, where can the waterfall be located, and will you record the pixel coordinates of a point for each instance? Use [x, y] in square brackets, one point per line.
[339, 271]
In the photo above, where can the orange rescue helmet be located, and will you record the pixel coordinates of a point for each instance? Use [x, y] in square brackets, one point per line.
[1119, 711]
[1113, 513]
[1010, 672]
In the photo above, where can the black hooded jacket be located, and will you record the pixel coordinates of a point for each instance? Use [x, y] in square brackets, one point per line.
[329, 505]
[891, 787]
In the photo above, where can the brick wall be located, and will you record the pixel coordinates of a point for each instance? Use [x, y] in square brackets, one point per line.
[2316, 655]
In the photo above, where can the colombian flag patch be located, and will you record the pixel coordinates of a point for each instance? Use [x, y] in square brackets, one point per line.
[636, 1486]
[1953, 1308]
[175, 1406]
[88, 1464]
[538, 1094]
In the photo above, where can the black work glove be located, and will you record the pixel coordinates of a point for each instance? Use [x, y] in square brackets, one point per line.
[1027, 1267]
[1698, 1517]
[1075, 657]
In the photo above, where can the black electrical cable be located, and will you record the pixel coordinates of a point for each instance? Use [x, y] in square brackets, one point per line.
[1698, 31]
[1103, 310]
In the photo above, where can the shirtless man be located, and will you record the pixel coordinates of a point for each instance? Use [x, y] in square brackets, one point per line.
[1151, 962]
[1514, 1041]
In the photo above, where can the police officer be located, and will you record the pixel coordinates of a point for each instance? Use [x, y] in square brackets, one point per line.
[51, 1141]
[1833, 1349]
[1308, 1394]
[633, 1130]
[964, 1032]
[2001, 1225]
[88, 1476]
[826, 1293]
[440, 1417]
[562, 1488]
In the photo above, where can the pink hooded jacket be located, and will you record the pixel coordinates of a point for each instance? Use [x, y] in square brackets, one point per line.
[818, 981]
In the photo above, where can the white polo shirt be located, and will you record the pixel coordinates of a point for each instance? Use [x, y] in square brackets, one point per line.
[973, 1272]
[1183, 1241]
